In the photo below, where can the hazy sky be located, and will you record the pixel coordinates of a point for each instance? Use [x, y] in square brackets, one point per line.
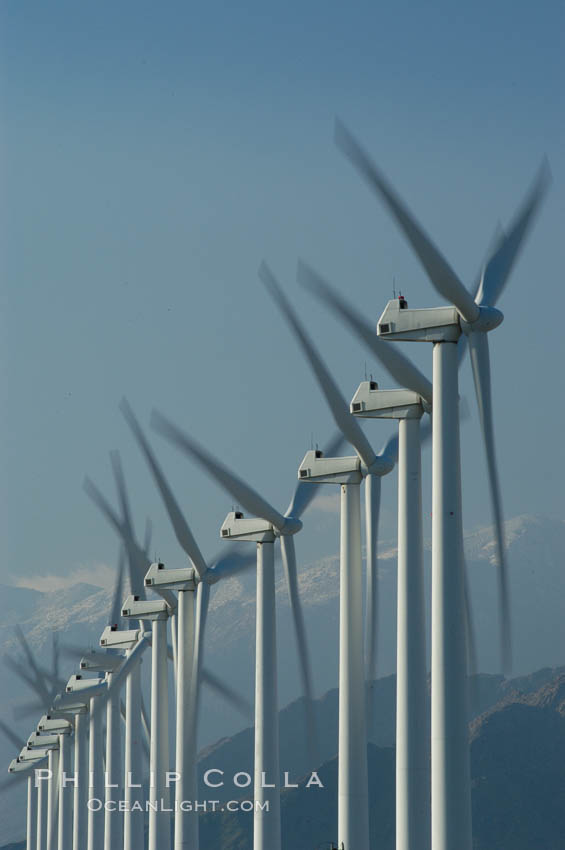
[152, 155]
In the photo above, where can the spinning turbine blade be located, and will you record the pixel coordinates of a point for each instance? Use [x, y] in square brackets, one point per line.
[479, 353]
[40, 682]
[118, 471]
[117, 599]
[440, 273]
[399, 367]
[340, 410]
[241, 492]
[233, 563]
[500, 264]
[147, 537]
[181, 528]
[136, 571]
[304, 493]
[289, 564]
[11, 736]
[238, 702]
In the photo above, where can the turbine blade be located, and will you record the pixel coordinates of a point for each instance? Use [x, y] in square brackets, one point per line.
[14, 778]
[117, 599]
[440, 273]
[399, 367]
[147, 537]
[479, 353]
[242, 492]
[11, 736]
[502, 260]
[289, 565]
[136, 570]
[235, 699]
[40, 684]
[347, 424]
[56, 657]
[180, 526]
[305, 493]
[123, 499]
[233, 563]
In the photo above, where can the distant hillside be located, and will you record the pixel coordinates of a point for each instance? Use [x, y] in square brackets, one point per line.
[518, 785]
[536, 557]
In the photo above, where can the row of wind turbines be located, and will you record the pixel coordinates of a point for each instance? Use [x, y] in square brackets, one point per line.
[433, 806]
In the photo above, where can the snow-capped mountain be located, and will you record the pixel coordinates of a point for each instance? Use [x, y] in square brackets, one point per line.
[536, 556]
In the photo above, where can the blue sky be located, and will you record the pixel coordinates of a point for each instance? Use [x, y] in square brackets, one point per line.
[152, 155]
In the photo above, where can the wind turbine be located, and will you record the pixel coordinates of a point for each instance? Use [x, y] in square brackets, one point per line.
[407, 406]
[64, 729]
[157, 612]
[127, 640]
[474, 317]
[353, 807]
[190, 634]
[263, 530]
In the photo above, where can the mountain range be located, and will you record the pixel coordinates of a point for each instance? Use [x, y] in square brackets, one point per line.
[536, 554]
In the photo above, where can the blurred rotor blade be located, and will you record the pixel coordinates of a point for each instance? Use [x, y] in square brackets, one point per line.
[145, 722]
[117, 469]
[136, 571]
[13, 779]
[372, 511]
[400, 368]
[180, 526]
[440, 273]
[147, 537]
[233, 563]
[479, 353]
[305, 493]
[56, 657]
[390, 449]
[235, 699]
[347, 424]
[11, 736]
[242, 492]
[40, 682]
[29, 709]
[502, 260]
[117, 599]
[289, 565]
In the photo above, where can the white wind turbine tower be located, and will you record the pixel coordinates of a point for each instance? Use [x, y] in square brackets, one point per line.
[157, 612]
[407, 406]
[81, 691]
[475, 317]
[51, 744]
[263, 530]
[127, 640]
[33, 758]
[190, 635]
[353, 804]
[33, 799]
[63, 728]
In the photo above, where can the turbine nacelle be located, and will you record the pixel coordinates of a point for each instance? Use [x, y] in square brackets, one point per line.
[318, 469]
[32, 755]
[17, 766]
[369, 402]
[432, 324]
[53, 724]
[115, 638]
[145, 609]
[237, 527]
[100, 662]
[183, 578]
[47, 742]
